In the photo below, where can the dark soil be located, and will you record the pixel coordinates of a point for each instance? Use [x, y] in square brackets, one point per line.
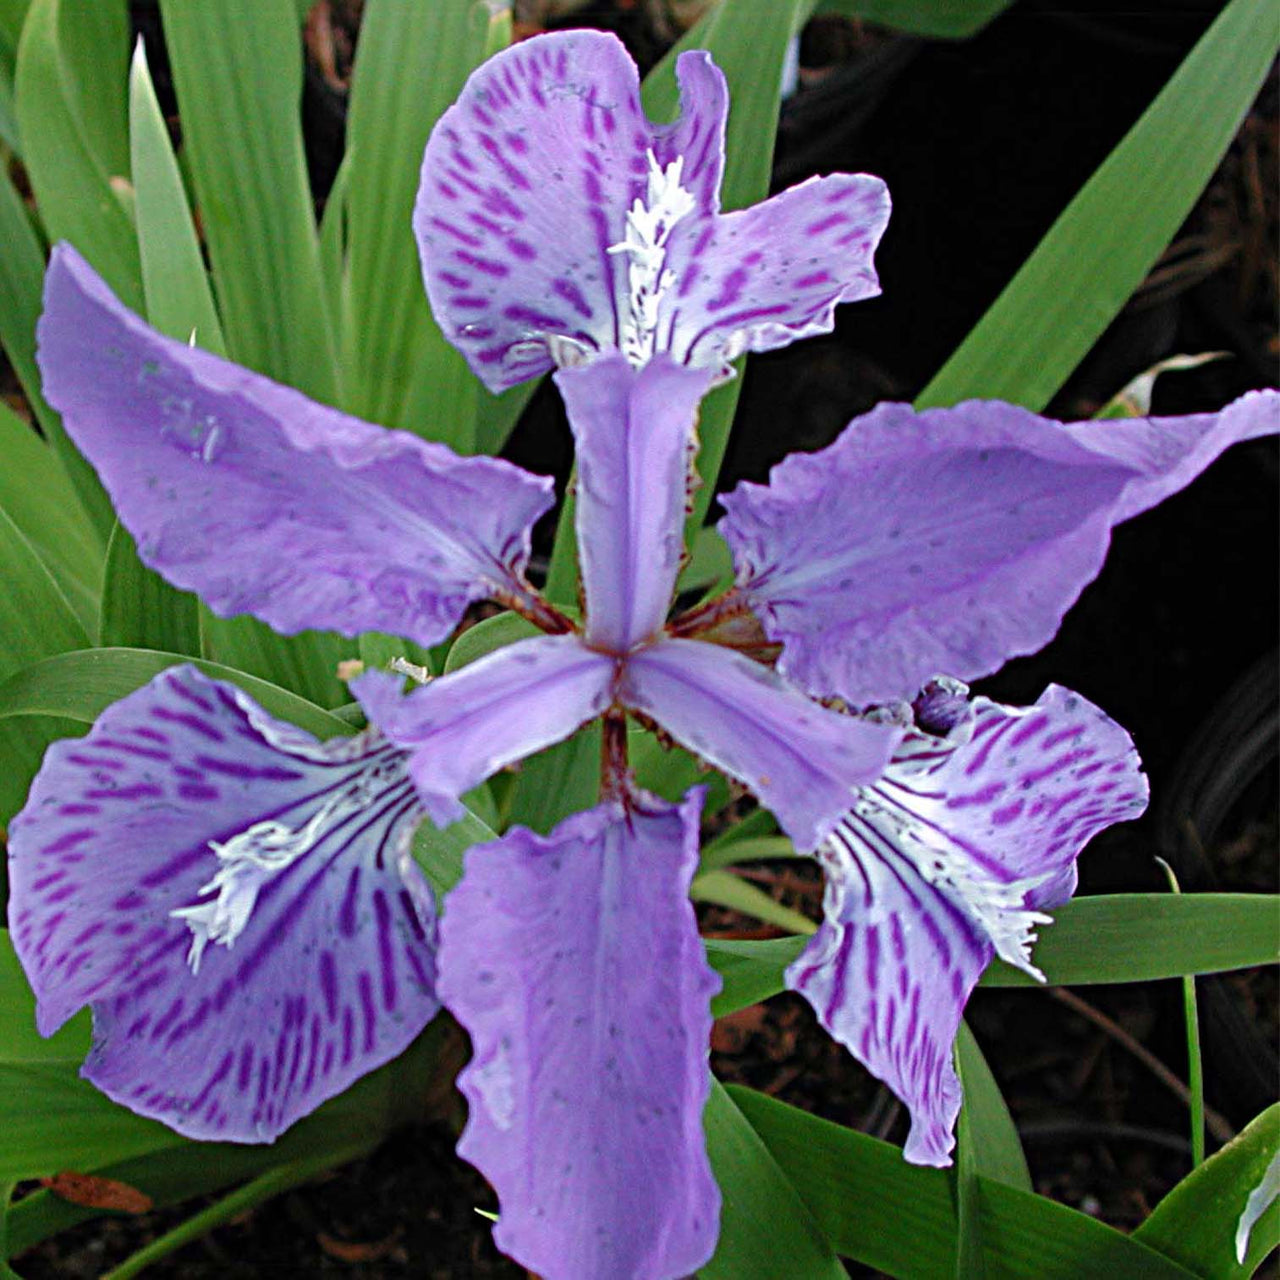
[982, 144]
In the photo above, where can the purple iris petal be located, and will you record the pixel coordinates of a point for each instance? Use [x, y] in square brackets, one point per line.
[509, 704]
[802, 760]
[953, 539]
[235, 900]
[888, 974]
[634, 435]
[526, 182]
[774, 273]
[556, 221]
[941, 864]
[574, 963]
[264, 502]
[1169, 453]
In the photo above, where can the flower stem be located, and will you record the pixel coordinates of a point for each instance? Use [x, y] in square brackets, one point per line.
[1195, 1069]
[6, 1196]
[615, 771]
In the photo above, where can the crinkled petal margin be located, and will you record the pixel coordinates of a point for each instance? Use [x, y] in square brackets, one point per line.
[526, 184]
[950, 540]
[764, 277]
[573, 960]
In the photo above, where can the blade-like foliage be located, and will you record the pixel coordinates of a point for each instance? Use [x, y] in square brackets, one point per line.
[80, 686]
[140, 609]
[12, 15]
[411, 63]
[1107, 238]
[937, 19]
[1127, 937]
[765, 1228]
[996, 1147]
[71, 111]
[73, 183]
[175, 285]
[901, 1218]
[237, 66]
[35, 617]
[36, 620]
[37, 496]
[1196, 1222]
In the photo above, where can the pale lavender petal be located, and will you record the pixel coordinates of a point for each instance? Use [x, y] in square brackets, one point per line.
[318, 955]
[573, 961]
[634, 432]
[945, 861]
[462, 727]
[526, 184]
[1169, 453]
[949, 540]
[265, 502]
[802, 760]
[761, 278]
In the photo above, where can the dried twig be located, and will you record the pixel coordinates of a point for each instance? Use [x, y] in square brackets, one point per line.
[1216, 1122]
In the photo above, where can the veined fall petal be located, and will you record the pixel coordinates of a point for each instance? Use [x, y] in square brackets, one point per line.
[573, 961]
[946, 861]
[953, 539]
[263, 501]
[235, 900]
[556, 222]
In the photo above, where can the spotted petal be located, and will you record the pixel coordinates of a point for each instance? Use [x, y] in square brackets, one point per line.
[556, 222]
[234, 899]
[802, 760]
[634, 435]
[944, 862]
[574, 963]
[264, 502]
[526, 184]
[467, 725]
[1023, 789]
[763, 277]
[950, 540]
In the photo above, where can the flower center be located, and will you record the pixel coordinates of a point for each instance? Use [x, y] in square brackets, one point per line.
[649, 226]
[253, 856]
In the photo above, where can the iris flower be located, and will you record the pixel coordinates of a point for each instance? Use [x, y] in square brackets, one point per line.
[916, 544]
